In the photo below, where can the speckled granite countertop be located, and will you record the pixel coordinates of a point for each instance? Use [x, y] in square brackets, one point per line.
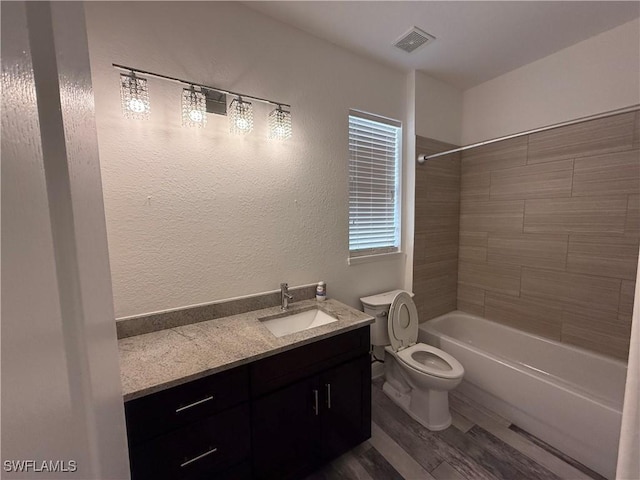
[159, 360]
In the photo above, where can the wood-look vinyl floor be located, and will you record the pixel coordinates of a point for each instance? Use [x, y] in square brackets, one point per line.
[478, 445]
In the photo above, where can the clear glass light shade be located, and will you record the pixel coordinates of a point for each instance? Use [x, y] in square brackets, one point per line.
[240, 117]
[135, 97]
[194, 108]
[279, 124]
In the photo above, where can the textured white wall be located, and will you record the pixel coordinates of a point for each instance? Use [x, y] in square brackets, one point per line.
[33, 362]
[199, 215]
[438, 111]
[61, 391]
[597, 75]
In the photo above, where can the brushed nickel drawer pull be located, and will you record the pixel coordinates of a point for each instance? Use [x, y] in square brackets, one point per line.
[315, 406]
[328, 385]
[213, 450]
[178, 410]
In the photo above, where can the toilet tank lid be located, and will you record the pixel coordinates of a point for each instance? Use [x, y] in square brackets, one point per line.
[381, 299]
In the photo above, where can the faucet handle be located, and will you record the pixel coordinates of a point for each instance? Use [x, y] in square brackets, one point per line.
[284, 286]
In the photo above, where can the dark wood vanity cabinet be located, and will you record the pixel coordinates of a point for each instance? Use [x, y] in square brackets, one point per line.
[193, 430]
[310, 404]
[285, 431]
[211, 445]
[346, 407]
[276, 418]
[311, 421]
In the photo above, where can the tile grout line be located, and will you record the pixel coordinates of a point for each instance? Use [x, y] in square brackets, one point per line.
[573, 174]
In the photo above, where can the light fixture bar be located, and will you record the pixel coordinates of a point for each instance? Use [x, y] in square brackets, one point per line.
[204, 87]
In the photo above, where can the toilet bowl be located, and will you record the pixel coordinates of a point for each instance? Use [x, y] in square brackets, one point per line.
[418, 377]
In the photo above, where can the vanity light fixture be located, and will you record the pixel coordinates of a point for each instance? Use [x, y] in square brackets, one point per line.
[279, 124]
[135, 96]
[198, 100]
[194, 108]
[240, 116]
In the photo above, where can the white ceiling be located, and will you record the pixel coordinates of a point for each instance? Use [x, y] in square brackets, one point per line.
[475, 41]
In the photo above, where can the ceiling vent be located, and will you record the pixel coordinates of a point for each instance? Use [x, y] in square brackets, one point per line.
[413, 40]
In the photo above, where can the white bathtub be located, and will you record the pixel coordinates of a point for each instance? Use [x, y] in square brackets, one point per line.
[568, 397]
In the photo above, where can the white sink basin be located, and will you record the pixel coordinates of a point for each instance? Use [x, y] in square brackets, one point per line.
[286, 323]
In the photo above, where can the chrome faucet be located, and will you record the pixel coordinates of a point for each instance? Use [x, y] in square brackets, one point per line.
[285, 296]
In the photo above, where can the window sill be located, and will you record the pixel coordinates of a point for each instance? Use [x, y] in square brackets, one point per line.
[372, 258]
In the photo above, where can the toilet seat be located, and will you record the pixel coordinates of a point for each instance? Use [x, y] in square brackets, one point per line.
[431, 360]
[403, 334]
[402, 322]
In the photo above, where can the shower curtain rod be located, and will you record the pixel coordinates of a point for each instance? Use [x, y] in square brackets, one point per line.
[423, 156]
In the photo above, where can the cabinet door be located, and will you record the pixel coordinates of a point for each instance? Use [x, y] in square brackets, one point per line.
[346, 406]
[285, 431]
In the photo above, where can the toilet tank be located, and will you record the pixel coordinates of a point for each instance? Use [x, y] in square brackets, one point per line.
[378, 307]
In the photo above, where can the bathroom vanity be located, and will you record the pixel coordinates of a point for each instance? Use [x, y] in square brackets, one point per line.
[237, 402]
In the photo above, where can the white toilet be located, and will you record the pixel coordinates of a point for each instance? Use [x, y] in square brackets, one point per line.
[418, 377]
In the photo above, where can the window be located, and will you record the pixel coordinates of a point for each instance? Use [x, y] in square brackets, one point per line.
[374, 184]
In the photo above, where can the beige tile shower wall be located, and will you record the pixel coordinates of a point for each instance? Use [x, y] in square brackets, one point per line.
[435, 261]
[549, 232]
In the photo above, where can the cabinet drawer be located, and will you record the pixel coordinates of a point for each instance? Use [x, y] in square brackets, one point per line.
[162, 412]
[210, 446]
[282, 369]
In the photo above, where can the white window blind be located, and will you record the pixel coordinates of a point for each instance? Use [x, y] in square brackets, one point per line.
[374, 185]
